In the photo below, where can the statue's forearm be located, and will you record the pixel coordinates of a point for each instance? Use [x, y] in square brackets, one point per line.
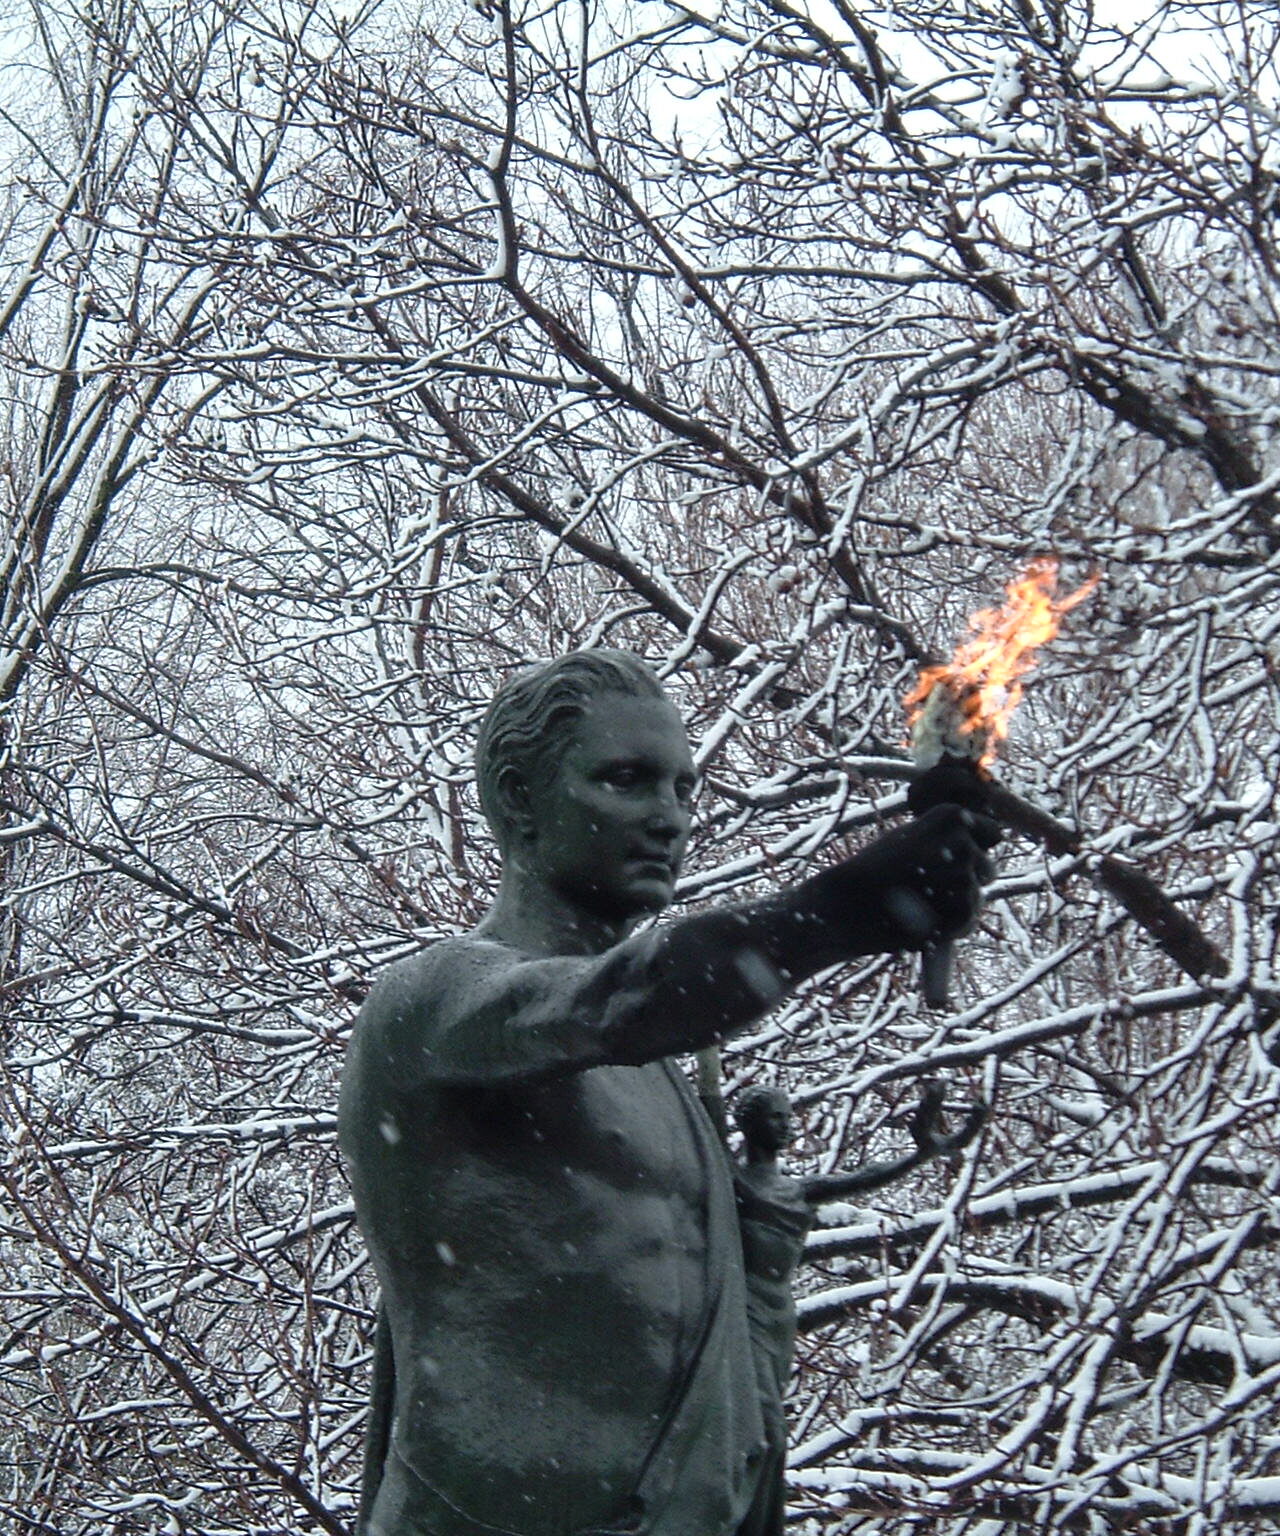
[835, 1186]
[929, 1144]
[713, 973]
[696, 980]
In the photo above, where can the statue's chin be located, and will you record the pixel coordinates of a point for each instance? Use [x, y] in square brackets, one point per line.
[657, 900]
[639, 902]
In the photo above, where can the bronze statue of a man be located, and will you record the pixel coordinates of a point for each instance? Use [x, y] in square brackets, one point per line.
[547, 1207]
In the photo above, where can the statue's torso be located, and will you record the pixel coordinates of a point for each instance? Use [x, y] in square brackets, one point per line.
[774, 1219]
[543, 1253]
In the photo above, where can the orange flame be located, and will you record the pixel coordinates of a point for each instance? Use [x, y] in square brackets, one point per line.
[983, 678]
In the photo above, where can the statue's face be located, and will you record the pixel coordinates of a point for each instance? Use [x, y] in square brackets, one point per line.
[770, 1125]
[610, 828]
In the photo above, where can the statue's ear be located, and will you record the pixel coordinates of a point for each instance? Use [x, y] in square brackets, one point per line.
[513, 797]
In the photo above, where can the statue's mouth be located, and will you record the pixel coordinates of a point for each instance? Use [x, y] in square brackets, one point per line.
[653, 864]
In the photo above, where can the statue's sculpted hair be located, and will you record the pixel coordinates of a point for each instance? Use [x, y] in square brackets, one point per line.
[531, 719]
[754, 1101]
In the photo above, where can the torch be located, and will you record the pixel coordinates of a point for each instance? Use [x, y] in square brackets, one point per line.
[959, 711]
[949, 742]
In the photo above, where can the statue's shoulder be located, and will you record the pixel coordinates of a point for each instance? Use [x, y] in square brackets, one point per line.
[423, 984]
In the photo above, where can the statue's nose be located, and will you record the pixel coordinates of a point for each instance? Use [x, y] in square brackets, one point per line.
[668, 817]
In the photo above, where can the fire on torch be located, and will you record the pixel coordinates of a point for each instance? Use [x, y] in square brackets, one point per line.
[959, 711]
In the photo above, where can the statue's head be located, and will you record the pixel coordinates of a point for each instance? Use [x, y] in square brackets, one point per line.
[763, 1115]
[532, 719]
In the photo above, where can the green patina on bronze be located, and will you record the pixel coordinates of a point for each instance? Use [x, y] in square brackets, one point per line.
[566, 1344]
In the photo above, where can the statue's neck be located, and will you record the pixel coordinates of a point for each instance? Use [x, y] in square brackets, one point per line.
[531, 917]
[760, 1171]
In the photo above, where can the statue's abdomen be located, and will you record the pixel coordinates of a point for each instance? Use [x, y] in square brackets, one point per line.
[548, 1293]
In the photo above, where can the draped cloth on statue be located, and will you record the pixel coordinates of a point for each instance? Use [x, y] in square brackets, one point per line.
[773, 1236]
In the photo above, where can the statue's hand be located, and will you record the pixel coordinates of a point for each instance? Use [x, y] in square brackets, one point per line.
[926, 1123]
[919, 884]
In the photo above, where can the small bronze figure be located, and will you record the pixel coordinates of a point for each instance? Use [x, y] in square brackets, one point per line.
[776, 1213]
[565, 1345]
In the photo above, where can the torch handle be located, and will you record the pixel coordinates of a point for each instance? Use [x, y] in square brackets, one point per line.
[950, 780]
[935, 973]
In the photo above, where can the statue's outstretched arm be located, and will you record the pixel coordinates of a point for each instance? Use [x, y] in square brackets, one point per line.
[930, 1139]
[475, 1011]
